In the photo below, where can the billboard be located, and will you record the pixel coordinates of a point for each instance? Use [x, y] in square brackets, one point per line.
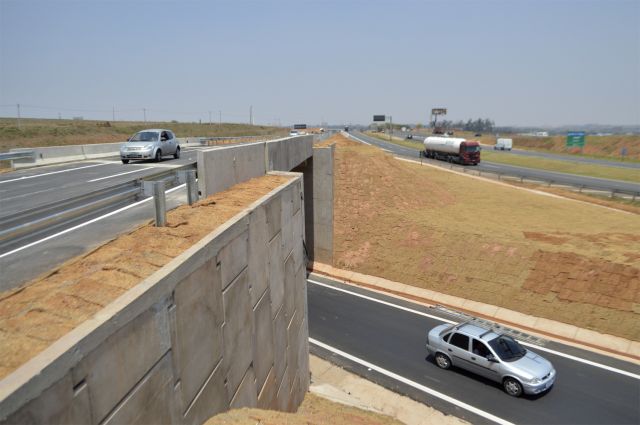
[299, 126]
[575, 139]
[379, 118]
[439, 111]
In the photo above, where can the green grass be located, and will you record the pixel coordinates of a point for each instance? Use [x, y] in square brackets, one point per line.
[581, 169]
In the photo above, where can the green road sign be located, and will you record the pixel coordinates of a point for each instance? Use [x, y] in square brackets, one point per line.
[575, 139]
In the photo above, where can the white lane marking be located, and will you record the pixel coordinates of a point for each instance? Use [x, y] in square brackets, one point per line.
[53, 172]
[399, 307]
[359, 140]
[535, 347]
[413, 384]
[116, 175]
[581, 360]
[86, 223]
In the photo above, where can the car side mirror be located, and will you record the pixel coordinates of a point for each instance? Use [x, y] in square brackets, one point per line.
[492, 358]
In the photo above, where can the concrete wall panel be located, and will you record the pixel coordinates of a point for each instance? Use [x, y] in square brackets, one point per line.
[238, 332]
[233, 258]
[280, 345]
[276, 274]
[267, 394]
[274, 219]
[59, 404]
[286, 216]
[150, 401]
[247, 395]
[212, 399]
[198, 349]
[258, 256]
[123, 360]
[263, 348]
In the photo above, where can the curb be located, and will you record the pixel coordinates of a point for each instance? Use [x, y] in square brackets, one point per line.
[628, 349]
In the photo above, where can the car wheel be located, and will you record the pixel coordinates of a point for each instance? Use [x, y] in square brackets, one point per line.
[177, 154]
[443, 361]
[158, 157]
[125, 161]
[512, 387]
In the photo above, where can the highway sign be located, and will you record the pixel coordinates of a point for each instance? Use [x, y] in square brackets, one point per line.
[575, 139]
[379, 118]
[439, 111]
[299, 126]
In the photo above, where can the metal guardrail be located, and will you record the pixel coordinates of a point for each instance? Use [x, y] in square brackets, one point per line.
[19, 225]
[8, 156]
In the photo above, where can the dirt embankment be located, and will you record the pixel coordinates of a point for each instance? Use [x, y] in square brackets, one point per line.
[549, 257]
[314, 410]
[34, 316]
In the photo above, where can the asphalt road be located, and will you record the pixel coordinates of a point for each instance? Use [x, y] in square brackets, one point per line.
[527, 173]
[34, 187]
[559, 157]
[394, 340]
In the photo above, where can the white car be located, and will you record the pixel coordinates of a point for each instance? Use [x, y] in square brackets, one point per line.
[150, 144]
[294, 133]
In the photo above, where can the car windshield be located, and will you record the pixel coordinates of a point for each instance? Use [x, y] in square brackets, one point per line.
[145, 136]
[507, 348]
[472, 149]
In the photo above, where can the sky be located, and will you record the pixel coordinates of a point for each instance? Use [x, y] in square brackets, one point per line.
[517, 62]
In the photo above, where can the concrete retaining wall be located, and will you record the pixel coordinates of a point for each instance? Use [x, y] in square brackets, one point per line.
[223, 325]
[222, 167]
[57, 154]
[322, 235]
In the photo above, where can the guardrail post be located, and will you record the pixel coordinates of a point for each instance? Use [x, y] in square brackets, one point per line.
[156, 189]
[160, 203]
[189, 177]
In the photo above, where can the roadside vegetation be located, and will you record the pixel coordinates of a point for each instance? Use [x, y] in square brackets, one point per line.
[547, 256]
[53, 132]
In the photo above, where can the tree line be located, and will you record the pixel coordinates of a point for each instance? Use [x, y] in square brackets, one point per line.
[477, 125]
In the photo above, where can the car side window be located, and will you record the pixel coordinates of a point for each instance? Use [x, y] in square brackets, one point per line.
[171, 135]
[460, 341]
[479, 348]
[447, 336]
[163, 136]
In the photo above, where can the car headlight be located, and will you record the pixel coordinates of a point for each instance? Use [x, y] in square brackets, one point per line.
[147, 147]
[534, 381]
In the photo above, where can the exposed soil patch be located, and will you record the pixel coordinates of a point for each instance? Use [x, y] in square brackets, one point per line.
[313, 410]
[34, 316]
[539, 255]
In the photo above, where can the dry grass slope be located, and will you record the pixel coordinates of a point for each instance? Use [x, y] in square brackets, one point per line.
[554, 258]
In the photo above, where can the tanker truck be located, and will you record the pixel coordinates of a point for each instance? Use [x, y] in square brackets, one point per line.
[452, 149]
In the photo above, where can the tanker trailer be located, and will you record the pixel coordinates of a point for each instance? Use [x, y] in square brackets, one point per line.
[452, 149]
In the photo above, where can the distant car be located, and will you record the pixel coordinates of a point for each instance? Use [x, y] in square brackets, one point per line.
[478, 135]
[293, 133]
[409, 136]
[150, 144]
[497, 357]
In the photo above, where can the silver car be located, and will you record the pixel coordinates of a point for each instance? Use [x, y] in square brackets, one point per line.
[150, 144]
[497, 357]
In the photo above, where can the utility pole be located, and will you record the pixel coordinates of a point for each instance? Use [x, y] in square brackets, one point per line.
[251, 114]
[209, 117]
[144, 111]
[220, 117]
[390, 126]
[113, 113]
[19, 126]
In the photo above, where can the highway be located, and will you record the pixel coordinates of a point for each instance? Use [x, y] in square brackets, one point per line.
[383, 339]
[527, 173]
[547, 155]
[37, 188]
